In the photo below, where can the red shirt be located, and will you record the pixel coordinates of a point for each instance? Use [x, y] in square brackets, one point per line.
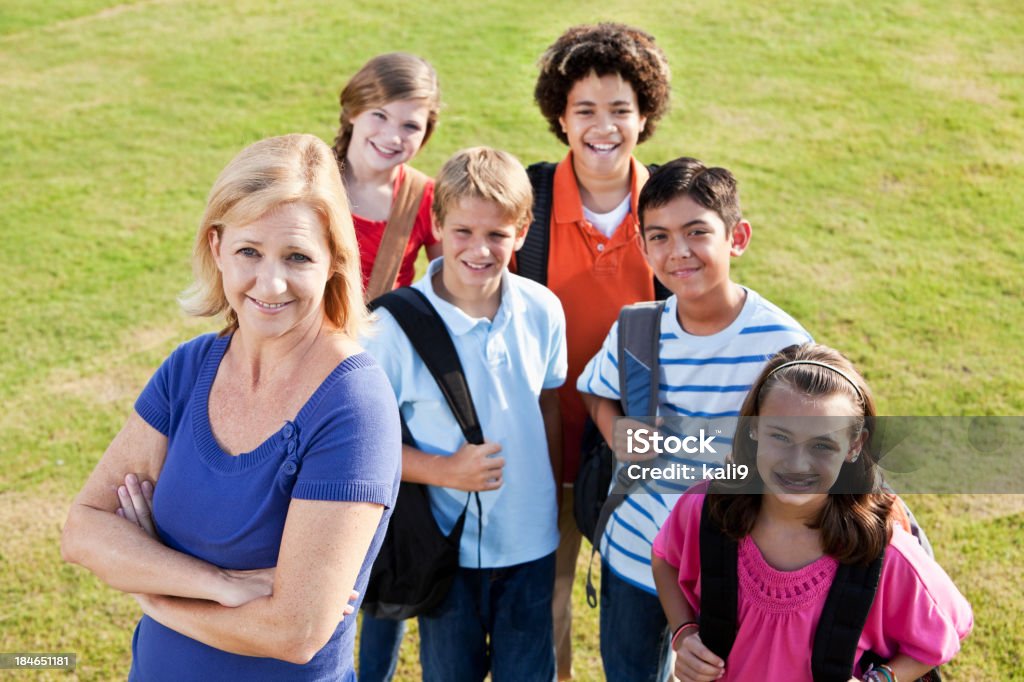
[370, 232]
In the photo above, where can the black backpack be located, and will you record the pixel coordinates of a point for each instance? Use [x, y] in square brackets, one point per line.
[842, 618]
[594, 497]
[417, 562]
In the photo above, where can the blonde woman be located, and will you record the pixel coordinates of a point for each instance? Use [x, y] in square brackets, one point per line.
[274, 446]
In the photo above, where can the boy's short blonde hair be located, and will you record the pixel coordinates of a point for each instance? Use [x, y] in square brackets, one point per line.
[489, 174]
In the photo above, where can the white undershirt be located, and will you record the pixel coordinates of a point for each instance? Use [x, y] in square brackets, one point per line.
[607, 222]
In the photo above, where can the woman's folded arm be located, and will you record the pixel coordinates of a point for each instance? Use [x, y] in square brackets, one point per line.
[322, 550]
[120, 552]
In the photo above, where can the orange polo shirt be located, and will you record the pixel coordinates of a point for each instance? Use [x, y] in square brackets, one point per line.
[593, 276]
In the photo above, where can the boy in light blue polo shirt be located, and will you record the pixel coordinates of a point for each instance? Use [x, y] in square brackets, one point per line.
[509, 333]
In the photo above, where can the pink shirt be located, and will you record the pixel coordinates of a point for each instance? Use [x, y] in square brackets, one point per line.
[917, 610]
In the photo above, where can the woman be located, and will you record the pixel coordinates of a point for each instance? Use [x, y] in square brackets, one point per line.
[274, 445]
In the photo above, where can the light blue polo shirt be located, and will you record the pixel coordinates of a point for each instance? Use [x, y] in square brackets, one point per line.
[507, 362]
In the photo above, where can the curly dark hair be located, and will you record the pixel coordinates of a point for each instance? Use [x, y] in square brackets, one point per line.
[604, 49]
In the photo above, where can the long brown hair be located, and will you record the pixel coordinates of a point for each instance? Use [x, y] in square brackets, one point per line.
[855, 526]
[387, 78]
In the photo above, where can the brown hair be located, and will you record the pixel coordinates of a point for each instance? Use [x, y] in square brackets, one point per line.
[262, 177]
[855, 526]
[713, 188]
[387, 78]
[489, 174]
[604, 49]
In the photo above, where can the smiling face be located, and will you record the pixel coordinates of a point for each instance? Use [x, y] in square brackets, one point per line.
[603, 124]
[274, 270]
[803, 442]
[386, 136]
[477, 242]
[689, 247]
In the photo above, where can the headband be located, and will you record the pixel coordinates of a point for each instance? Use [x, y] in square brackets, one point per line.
[818, 364]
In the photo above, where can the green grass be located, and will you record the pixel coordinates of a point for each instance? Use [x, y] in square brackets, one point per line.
[878, 147]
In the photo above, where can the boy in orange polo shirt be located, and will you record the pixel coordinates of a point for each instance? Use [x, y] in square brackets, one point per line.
[602, 89]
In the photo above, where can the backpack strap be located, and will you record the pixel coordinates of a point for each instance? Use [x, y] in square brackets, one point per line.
[401, 218]
[532, 257]
[432, 342]
[842, 620]
[430, 339]
[639, 339]
[719, 586]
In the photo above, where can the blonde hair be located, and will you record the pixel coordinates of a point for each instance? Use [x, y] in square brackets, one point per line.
[489, 174]
[262, 177]
[387, 78]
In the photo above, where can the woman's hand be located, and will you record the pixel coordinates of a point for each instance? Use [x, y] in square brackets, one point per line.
[239, 587]
[249, 585]
[136, 500]
[294, 608]
[695, 662]
[350, 606]
[151, 602]
[130, 556]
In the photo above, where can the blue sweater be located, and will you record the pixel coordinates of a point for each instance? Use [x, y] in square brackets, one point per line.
[344, 445]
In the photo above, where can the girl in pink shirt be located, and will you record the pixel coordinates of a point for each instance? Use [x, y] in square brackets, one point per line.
[389, 109]
[809, 502]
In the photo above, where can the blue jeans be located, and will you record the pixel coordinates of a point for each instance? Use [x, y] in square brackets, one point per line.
[379, 642]
[493, 619]
[635, 641]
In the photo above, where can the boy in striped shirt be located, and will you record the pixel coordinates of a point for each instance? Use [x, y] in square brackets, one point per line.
[715, 337]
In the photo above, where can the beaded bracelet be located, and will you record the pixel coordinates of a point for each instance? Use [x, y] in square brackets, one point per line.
[675, 635]
[882, 673]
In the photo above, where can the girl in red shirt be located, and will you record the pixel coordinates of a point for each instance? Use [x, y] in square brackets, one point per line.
[389, 109]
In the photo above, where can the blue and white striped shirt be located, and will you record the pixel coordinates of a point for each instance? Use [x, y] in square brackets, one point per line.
[703, 377]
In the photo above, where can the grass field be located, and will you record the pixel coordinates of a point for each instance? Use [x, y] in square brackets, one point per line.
[879, 147]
